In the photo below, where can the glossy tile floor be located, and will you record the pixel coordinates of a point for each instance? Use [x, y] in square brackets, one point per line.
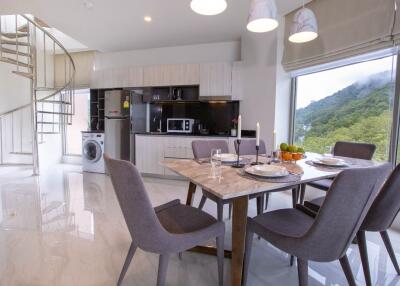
[66, 228]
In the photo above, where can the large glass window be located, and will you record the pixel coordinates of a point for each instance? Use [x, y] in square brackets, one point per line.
[349, 103]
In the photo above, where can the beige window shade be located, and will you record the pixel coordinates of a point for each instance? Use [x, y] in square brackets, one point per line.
[84, 68]
[346, 28]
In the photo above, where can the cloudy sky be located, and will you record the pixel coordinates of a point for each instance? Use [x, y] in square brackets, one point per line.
[314, 87]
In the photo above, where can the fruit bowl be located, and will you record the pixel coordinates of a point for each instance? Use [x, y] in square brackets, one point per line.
[291, 152]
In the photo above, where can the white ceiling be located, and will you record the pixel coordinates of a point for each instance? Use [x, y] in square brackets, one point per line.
[117, 25]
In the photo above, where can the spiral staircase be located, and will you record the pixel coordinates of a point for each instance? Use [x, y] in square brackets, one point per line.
[37, 56]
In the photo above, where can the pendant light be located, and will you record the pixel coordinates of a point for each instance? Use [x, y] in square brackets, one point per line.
[208, 7]
[262, 16]
[304, 26]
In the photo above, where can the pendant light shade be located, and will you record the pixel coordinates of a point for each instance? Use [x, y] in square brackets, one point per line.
[208, 7]
[262, 16]
[304, 26]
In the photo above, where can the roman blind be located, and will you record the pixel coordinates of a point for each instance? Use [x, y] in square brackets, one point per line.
[345, 28]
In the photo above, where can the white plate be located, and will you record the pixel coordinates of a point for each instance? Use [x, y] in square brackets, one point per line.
[226, 157]
[330, 161]
[270, 171]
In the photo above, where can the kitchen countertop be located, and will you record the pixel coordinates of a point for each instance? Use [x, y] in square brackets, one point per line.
[187, 134]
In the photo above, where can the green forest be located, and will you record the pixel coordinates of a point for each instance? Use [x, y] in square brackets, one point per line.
[361, 112]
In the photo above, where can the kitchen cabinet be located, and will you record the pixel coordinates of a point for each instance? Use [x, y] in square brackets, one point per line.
[168, 75]
[216, 79]
[237, 81]
[116, 78]
[151, 150]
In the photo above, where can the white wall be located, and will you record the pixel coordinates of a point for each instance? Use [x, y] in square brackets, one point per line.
[215, 52]
[259, 82]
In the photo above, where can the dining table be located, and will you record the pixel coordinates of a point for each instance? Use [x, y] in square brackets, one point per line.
[236, 185]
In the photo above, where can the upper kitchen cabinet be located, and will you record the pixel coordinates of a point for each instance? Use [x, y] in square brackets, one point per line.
[237, 81]
[216, 79]
[168, 75]
[116, 78]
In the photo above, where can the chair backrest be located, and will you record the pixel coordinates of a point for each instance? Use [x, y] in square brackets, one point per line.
[343, 211]
[202, 148]
[386, 206]
[354, 150]
[248, 147]
[140, 217]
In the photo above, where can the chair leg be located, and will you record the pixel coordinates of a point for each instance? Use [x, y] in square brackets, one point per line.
[266, 201]
[302, 269]
[202, 202]
[220, 254]
[362, 246]
[220, 211]
[389, 248]
[128, 259]
[260, 205]
[291, 260]
[302, 193]
[162, 269]
[344, 262]
[247, 255]
[294, 196]
[230, 210]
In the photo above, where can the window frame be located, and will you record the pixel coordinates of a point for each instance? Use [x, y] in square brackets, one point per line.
[395, 132]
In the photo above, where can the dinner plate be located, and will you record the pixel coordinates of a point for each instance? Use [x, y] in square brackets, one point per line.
[332, 162]
[227, 157]
[267, 171]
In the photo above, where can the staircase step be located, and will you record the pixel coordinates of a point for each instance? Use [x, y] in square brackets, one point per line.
[55, 102]
[14, 52]
[14, 43]
[15, 35]
[55, 113]
[24, 74]
[21, 153]
[46, 89]
[48, 133]
[23, 28]
[15, 62]
[48, 122]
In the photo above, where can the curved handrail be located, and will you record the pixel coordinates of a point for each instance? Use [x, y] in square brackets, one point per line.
[66, 53]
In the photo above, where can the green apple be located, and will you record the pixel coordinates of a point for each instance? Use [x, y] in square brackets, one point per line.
[283, 147]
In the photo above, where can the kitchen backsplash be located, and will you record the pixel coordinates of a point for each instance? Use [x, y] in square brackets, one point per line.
[212, 117]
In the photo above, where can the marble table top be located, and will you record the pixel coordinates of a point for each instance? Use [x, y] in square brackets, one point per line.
[232, 184]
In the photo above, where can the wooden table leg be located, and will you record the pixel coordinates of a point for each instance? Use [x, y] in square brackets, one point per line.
[239, 222]
[190, 194]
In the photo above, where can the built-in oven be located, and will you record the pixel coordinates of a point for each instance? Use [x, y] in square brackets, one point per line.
[180, 125]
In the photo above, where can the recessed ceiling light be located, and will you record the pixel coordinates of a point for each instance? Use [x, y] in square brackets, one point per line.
[147, 19]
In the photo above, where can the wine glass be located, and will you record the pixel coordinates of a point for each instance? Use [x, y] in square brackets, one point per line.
[216, 163]
[328, 151]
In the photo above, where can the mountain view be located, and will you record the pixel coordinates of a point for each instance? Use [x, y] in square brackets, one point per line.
[361, 112]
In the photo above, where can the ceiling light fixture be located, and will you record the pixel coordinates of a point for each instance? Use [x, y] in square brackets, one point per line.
[304, 26]
[147, 19]
[262, 16]
[208, 7]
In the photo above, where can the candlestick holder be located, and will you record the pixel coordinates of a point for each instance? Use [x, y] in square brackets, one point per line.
[256, 162]
[238, 164]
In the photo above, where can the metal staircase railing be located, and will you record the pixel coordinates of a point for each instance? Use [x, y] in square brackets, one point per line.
[25, 44]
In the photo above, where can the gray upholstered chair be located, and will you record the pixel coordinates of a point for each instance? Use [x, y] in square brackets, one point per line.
[166, 229]
[201, 150]
[345, 149]
[326, 237]
[379, 219]
[248, 147]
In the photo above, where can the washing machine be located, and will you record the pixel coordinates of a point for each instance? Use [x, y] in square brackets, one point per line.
[92, 152]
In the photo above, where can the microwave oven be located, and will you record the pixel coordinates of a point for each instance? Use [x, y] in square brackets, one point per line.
[180, 125]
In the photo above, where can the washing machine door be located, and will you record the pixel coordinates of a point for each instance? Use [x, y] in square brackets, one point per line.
[92, 151]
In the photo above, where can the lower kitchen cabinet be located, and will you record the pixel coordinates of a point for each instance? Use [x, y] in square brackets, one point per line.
[151, 150]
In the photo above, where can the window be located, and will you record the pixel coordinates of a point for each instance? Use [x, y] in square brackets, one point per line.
[349, 103]
[80, 122]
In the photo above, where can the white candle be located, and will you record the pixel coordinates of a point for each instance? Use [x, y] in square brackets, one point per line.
[274, 140]
[239, 135]
[258, 134]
